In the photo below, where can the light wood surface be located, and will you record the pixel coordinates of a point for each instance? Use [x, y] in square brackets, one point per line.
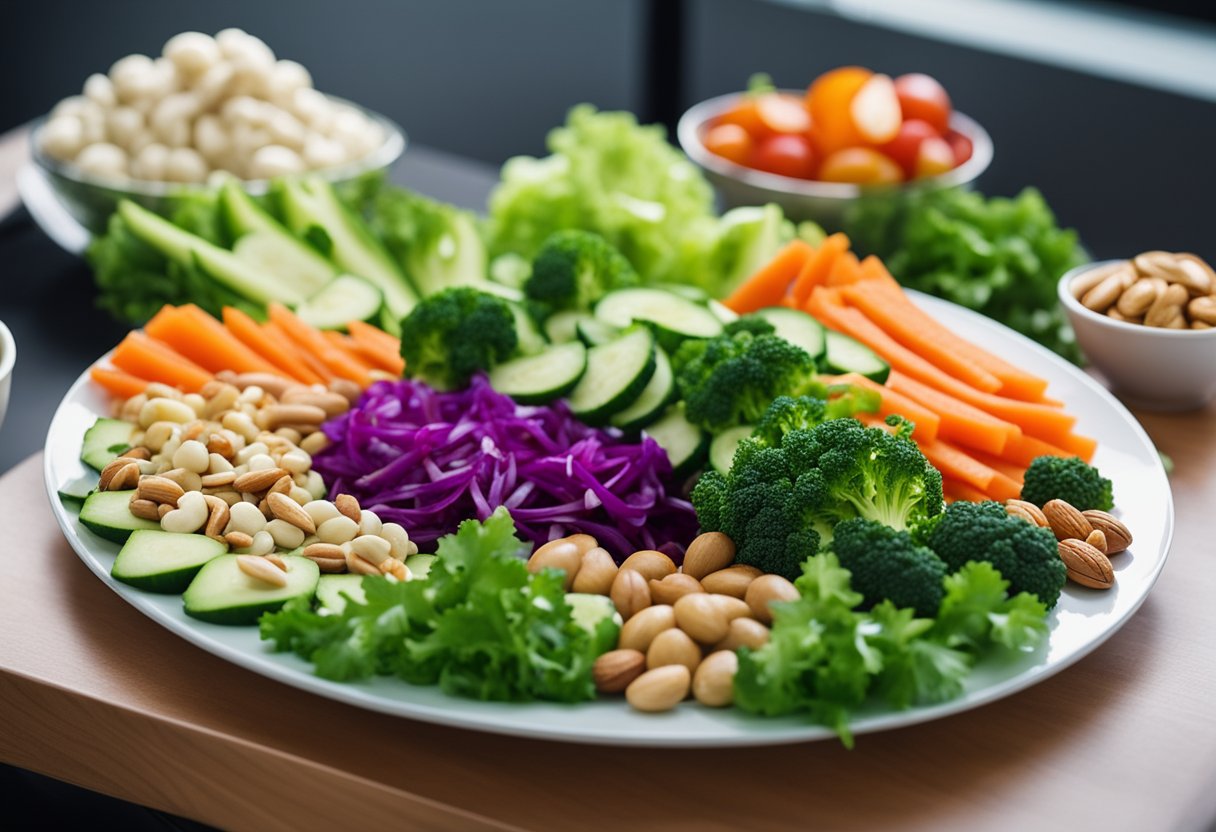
[93, 693]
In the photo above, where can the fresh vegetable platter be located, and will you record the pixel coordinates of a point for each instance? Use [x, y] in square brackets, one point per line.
[1081, 621]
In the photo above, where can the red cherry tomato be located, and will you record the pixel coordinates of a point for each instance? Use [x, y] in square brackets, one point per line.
[933, 158]
[906, 144]
[730, 141]
[920, 96]
[860, 166]
[961, 145]
[785, 155]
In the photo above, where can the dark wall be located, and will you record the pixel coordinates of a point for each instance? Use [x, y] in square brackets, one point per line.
[480, 78]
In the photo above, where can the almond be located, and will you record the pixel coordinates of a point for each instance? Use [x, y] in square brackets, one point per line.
[125, 477]
[160, 490]
[1118, 536]
[557, 554]
[143, 508]
[285, 508]
[262, 570]
[614, 670]
[597, 572]
[764, 591]
[660, 689]
[709, 552]
[1066, 521]
[1086, 565]
[733, 580]
[346, 504]
[255, 482]
[653, 564]
[630, 593]
[1027, 511]
[673, 587]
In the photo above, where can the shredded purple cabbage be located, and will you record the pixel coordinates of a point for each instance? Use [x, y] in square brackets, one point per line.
[428, 460]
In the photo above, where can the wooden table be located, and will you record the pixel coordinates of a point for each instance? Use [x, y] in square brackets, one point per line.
[91, 692]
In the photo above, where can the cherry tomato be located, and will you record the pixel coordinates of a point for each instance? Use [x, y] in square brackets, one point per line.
[934, 156]
[904, 147]
[921, 96]
[744, 115]
[780, 113]
[875, 110]
[860, 166]
[730, 141]
[961, 145]
[828, 100]
[785, 155]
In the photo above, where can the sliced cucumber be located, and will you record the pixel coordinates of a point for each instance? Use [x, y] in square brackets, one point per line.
[799, 328]
[561, 327]
[159, 561]
[593, 331]
[540, 378]
[264, 242]
[722, 448]
[674, 317]
[107, 514]
[685, 290]
[684, 442]
[617, 372]
[845, 355]
[419, 565]
[653, 399]
[526, 332]
[722, 312]
[333, 591]
[598, 616]
[222, 594]
[106, 439]
[345, 299]
[74, 493]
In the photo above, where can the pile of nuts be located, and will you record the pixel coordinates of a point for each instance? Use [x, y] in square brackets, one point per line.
[681, 625]
[234, 462]
[1156, 288]
[1086, 538]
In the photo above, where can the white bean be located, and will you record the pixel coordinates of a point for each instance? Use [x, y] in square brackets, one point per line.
[100, 89]
[323, 152]
[123, 124]
[173, 108]
[285, 79]
[245, 517]
[216, 464]
[242, 425]
[184, 164]
[286, 129]
[210, 137]
[62, 137]
[162, 409]
[192, 455]
[261, 462]
[286, 536]
[213, 84]
[150, 161]
[263, 543]
[312, 108]
[300, 495]
[316, 485]
[372, 549]
[399, 540]
[70, 106]
[190, 515]
[369, 522]
[192, 52]
[196, 402]
[103, 159]
[320, 511]
[134, 77]
[296, 461]
[159, 433]
[337, 530]
[274, 160]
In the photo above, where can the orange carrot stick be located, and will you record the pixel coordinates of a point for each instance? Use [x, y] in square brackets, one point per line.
[1077, 445]
[927, 423]
[249, 332]
[955, 490]
[310, 340]
[346, 345]
[952, 461]
[117, 383]
[376, 352]
[874, 269]
[144, 357]
[1009, 469]
[816, 268]
[203, 339]
[283, 341]
[1025, 449]
[845, 270]
[961, 422]
[362, 331]
[768, 285]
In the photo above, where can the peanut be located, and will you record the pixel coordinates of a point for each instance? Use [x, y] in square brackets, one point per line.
[660, 689]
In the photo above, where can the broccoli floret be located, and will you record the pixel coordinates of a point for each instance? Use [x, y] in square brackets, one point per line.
[574, 269]
[730, 380]
[1025, 554]
[1068, 479]
[887, 565]
[754, 324]
[788, 413]
[453, 334]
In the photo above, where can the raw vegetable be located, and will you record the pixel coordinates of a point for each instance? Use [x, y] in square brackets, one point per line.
[147, 358]
[618, 371]
[451, 335]
[342, 300]
[479, 626]
[249, 332]
[311, 342]
[541, 378]
[104, 440]
[887, 565]
[1067, 479]
[118, 384]
[428, 460]
[221, 593]
[573, 270]
[204, 340]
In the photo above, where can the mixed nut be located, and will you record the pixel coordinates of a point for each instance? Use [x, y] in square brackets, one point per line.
[1156, 288]
[1086, 538]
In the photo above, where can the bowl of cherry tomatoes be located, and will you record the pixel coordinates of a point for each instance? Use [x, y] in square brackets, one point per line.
[852, 134]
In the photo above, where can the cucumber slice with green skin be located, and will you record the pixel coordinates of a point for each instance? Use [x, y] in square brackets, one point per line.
[598, 616]
[107, 514]
[674, 318]
[310, 204]
[74, 493]
[593, 331]
[333, 591]
[159, 561]
[221, 265]
[106, 439]
[617, 372]
[845, 355]
[222, 594]
[722, 312]
[343, 300]
[799, 328]
[530, 339]
[419, 565]
[693, 293]
[561, 327]
[541, 378]
[685, 443]
[264, 242]
[653, 400]
[722, 448]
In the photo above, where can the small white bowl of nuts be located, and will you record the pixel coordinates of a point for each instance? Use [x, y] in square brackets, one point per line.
[1149, 325]
[155, 128]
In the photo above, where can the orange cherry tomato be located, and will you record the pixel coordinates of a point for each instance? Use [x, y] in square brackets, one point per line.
[860, 166]
[786, 155]
[921, 96]
[875, 110]
[961, 145]
[906, 144]
[744, 115]
[828, 100]
[730, 141]
[934, 156]
[780, 113]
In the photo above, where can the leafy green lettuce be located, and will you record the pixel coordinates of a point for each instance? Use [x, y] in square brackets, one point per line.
[479, 626]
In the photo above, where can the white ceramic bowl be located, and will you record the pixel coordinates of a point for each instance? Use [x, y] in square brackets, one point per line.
[1150, 367]
[805, 199]
[8, 357]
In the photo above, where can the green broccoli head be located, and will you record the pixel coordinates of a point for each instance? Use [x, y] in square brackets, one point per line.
[730, 380]
[574, 269]
[453, 334]
[887, 565]
[789, 413]
[1068, 479]
[1025, 554]
[755, 324]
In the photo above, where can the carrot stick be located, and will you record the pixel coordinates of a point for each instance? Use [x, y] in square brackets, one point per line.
[816, 268]
[1077, 445]
[203, 340]
[1004, 488]
[144, 357]
[1009, 469]
[362, 331]
[346, 345]
[961, 422]
[374, 354]
[768, 285]
[927, 423]
[1025, 449]
[249, 332]
[845, 270]
[310, 340]
[877, 306]
[952, 461]
[874, 269]
[119, 384]
[955, 490]
[284, 342]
